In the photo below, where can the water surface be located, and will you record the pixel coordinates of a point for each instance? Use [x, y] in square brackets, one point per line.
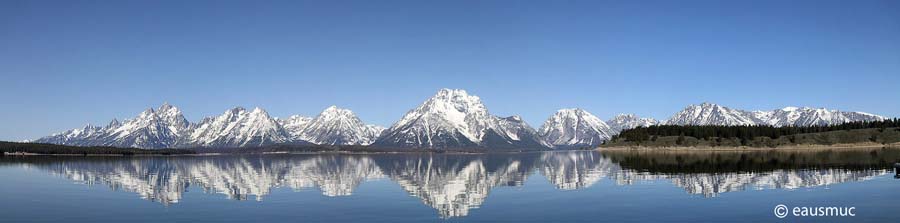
[584, 186]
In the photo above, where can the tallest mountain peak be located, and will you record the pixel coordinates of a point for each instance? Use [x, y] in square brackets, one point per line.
[448, 91]
[165, 106]
[455, 96]
[454, 119]
[335, 110]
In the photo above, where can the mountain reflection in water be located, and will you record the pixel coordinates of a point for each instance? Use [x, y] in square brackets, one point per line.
[453, 184]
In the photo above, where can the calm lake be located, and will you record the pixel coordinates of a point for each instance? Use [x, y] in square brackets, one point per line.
[564, 186]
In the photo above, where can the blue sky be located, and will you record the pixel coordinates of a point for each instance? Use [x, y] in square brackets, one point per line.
[68, 63]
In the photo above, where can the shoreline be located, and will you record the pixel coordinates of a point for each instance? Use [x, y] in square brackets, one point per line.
[805, 147]
[15, 154]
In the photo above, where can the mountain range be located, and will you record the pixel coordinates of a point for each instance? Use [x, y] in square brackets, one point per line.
[713, 114]
[451, 119]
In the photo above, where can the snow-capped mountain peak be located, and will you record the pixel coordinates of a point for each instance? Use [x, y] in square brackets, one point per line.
[113, 124]
[629, 121]
[294, 124]
[712, 114]
[451, 118]
[237, 127]
[789, 109]
[338, 126]
[806, 116]
[160, 128]
[574, 127]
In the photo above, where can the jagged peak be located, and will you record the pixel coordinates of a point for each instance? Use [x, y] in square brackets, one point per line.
[450, 92]
[708, 106]
[298, 117]
[630, 116]
[563, 110]
[148, 114]
[577, 112]
[516, 118]
[574, 126]
[336, 110]
[148, 111]
[625, 115]
[166, 106]
[452, 105]
[703, 106]
[455, 96]
[236, 110]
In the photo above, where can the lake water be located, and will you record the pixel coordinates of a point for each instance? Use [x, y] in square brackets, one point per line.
[565, 186]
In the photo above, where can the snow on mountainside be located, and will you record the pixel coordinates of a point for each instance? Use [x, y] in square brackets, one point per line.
[166, 127]
[294, 124]
[712, 114]
[455, 119]
[574, 128]
[160, 128]
[337, 126]
[74, 137]
[449, 119]
[628, 121]
[793, 116]
[238, 127]
[514, 132]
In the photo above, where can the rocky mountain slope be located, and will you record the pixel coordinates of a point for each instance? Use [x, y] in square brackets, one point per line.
[455, 119]
[574, 128]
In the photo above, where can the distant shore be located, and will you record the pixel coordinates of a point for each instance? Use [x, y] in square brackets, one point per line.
[748, 148]
[39, 149]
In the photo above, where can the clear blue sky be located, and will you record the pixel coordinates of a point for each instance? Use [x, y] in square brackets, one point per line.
[64, 64]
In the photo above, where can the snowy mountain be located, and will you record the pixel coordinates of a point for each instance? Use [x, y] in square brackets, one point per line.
[514, 132]
[166, 127]
[294, 124]
[238, 127]
[449, 119]
[712, 114]
[794, 116]
[628, 121]
[335, 126]
[75, 137]
[160, 128]
[574, 128]
[455, 119]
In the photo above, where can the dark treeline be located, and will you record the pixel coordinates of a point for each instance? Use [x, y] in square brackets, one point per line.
[752, 161]
[40, 148]
[749, 132]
